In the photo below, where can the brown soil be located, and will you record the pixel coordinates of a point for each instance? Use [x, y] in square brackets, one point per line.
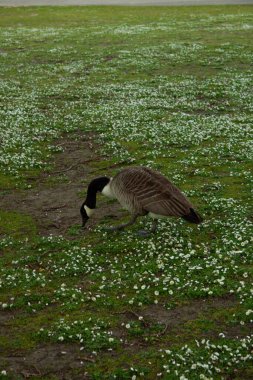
[5, 316]
[54, 359]
[172, 320]
[54, 200]
[188, 312]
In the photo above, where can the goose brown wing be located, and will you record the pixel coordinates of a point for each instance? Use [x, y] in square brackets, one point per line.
[169, 200]
[167, 205]
[152, 192]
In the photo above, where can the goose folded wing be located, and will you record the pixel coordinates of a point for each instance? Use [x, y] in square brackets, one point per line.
[165, 204]
[152, 192]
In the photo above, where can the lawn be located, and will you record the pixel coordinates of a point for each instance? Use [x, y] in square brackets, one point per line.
[85, 91]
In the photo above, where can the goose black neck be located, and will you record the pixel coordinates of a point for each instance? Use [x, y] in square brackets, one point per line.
[95, 185]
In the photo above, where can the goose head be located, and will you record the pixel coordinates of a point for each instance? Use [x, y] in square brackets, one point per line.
[89, 205]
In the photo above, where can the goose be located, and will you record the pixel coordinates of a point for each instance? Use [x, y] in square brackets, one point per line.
[142, 191]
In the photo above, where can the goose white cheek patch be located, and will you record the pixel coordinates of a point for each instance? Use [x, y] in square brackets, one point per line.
[89, 211]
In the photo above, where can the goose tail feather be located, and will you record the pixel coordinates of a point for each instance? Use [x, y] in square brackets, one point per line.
[193, 217]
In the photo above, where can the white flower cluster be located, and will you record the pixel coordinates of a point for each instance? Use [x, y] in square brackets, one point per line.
[90, 334]
[205, 360]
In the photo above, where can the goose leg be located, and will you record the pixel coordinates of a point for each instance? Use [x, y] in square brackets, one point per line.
[122, 226]
[153, 229]
[154, 226]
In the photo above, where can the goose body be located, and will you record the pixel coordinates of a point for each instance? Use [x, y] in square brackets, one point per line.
[143, 191]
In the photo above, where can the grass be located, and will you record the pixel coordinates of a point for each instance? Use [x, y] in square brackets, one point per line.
[169, 88]
[15, 224]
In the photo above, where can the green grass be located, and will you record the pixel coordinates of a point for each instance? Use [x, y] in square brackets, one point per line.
[16, 225]
[170, 88]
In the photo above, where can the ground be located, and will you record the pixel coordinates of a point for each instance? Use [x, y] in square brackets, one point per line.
[86, 92]
[19, 3]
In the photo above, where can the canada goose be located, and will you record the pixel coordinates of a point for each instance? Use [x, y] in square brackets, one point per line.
[142, 191]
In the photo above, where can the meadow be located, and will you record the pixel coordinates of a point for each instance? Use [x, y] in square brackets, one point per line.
[85, 91]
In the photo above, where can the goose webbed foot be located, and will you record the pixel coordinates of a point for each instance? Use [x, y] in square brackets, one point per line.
[112, 228]
[145, 233]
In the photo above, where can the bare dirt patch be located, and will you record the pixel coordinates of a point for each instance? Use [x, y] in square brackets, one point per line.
[188, 312]
[54, 359]
[55, 198]
[5, 316]
[174, 320]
